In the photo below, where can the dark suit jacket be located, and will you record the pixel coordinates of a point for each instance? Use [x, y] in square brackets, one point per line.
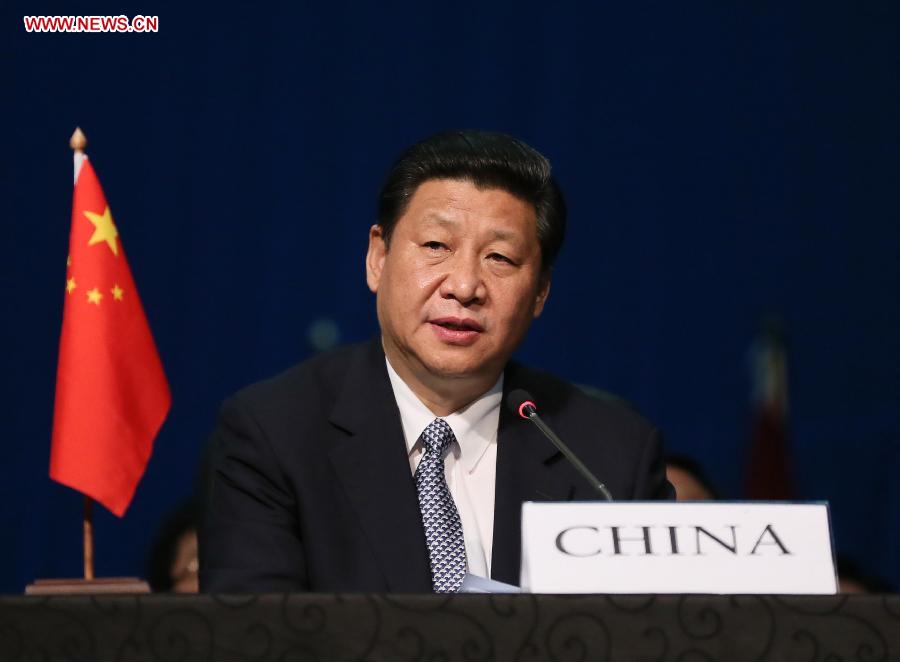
[310, 487]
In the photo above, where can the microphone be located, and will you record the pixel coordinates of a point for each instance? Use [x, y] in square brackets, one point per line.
[521, 403]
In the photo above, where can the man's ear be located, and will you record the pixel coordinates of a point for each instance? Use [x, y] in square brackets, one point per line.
[375, 257]
[542, 294]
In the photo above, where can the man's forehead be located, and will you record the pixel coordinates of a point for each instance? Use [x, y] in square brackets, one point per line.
[448, 202]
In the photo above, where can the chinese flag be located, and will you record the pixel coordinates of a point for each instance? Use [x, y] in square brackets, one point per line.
[111, 392]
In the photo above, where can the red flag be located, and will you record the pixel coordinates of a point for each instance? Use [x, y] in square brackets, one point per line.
[769, 474]
[111, 392]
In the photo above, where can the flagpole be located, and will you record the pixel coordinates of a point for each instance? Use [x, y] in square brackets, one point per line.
[88, 522]
[78, 143]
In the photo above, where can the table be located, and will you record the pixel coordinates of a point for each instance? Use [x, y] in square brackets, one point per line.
[459, 627]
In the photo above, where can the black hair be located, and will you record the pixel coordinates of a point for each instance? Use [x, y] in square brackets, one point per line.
[848, 569]
[488, 160]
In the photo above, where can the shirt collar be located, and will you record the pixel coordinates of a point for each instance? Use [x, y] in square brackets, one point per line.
[474, 426]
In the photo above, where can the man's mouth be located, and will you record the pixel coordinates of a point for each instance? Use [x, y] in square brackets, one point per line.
[457, 324]
[456, 331]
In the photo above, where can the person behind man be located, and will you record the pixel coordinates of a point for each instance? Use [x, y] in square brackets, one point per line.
[173, 565]
[392, 465]
[689, 480]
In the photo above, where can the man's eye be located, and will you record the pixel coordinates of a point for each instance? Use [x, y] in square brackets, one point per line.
[497, 257]
[433, 245]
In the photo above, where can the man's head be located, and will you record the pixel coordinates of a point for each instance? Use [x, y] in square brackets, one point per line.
[487, 160]
[469, 226]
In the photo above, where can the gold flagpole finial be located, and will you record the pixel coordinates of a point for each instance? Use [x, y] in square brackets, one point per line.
[78, 141]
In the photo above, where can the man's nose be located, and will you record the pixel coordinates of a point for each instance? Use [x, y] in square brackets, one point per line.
[464, 280]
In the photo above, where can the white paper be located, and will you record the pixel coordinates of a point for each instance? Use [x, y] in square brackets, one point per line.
[477, 584]
[694, 547]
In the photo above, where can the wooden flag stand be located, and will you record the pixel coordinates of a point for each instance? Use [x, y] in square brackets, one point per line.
[90, 584]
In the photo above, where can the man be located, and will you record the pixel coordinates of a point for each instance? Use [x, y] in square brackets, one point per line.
[312, 485]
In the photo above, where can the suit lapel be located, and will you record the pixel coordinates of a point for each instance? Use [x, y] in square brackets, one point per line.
[525, 472]
[373, 469]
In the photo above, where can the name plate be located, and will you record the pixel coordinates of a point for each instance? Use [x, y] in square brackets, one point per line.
[687, 547]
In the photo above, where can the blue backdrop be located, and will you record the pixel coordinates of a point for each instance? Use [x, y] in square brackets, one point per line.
[722, 160]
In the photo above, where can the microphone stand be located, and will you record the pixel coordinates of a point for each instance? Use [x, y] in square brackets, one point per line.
[531, 414]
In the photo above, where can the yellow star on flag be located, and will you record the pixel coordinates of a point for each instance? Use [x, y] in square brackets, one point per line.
[70, 285]
[117, 292]
[94, 296]
[104, 230]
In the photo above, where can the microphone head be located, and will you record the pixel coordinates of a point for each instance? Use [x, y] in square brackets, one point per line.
[520, 401]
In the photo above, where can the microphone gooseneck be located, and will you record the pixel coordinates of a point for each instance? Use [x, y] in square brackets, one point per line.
[522, 404]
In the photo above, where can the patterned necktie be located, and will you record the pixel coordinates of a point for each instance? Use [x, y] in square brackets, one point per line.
[443, 529]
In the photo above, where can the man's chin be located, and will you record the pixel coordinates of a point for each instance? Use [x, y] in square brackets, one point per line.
[456, 367]
[449, 362]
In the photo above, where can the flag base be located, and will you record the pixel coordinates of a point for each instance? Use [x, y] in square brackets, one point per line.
[87, 586]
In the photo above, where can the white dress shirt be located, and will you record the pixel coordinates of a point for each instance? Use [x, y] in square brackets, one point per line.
[470, 465]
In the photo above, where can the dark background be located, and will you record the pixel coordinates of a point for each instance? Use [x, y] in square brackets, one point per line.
[723, 161]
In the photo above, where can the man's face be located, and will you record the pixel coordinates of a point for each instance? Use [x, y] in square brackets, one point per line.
[460, 283]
